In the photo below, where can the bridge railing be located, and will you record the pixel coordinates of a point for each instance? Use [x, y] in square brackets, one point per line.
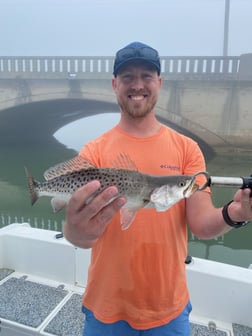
[172, 67]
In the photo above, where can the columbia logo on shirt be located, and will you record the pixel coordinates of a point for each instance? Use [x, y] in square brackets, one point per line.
[167, 166]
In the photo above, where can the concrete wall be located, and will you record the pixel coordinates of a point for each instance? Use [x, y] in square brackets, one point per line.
[219, 112]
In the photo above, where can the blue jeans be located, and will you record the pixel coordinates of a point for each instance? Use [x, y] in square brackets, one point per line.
[180, 326]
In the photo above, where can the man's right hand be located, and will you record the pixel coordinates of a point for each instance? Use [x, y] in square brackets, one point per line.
[87, 221]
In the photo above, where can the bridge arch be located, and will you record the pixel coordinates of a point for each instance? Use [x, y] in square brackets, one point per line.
[34, 122]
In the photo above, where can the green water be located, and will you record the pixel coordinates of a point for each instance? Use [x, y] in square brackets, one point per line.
[24, 142]
[236, 246]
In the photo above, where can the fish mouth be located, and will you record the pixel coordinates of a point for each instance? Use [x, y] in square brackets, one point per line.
[191, 189]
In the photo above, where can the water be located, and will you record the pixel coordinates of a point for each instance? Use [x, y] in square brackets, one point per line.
[236, 246]
[26, 139]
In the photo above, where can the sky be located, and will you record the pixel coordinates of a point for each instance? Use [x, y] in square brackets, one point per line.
[101, 27]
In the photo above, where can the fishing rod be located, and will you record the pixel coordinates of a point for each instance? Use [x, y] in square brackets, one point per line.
[242, 182]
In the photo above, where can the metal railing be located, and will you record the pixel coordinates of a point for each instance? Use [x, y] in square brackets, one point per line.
[41, 223]
[172, 67]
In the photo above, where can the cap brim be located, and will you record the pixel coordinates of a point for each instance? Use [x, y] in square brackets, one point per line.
[131, 60]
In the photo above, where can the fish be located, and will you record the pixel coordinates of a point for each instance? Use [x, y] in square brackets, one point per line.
[140, 189]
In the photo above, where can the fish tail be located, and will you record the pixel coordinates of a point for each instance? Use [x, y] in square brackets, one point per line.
[31, 186]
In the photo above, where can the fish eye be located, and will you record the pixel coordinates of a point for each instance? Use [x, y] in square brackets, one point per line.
[181, 184]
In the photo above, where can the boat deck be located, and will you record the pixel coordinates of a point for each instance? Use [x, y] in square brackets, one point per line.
[42, 279]
[31, 306]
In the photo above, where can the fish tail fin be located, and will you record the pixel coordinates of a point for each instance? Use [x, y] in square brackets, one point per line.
[31, 186]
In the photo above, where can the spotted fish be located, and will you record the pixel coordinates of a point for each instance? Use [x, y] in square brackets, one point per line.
[141, 190]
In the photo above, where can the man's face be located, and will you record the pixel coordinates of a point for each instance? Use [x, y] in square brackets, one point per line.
[137, 87]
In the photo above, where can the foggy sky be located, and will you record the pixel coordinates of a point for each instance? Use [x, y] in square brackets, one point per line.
[100, 27]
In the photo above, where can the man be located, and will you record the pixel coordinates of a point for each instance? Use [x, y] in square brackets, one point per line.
[136, 282]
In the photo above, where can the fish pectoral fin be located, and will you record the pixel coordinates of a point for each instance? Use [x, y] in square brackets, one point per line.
[127, 217]
[58, 204]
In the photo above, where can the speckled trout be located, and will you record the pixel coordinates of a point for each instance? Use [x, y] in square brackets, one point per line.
[141, 190]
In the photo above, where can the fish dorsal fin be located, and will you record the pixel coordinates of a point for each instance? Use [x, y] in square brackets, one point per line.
[75, 164]
[123, 161]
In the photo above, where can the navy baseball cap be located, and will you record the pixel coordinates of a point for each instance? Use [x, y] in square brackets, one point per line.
[136, 51]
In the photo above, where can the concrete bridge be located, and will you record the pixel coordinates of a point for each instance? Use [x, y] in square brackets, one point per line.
[209, 98]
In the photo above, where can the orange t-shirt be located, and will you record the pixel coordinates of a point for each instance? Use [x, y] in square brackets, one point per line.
[138, 275]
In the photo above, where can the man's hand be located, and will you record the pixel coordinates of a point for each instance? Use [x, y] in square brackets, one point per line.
[87, 220]
[241, 209]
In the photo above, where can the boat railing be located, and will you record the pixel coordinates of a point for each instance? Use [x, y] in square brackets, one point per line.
[35, 222]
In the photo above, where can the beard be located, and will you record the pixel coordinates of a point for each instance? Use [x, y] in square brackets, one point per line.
[137, 109]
